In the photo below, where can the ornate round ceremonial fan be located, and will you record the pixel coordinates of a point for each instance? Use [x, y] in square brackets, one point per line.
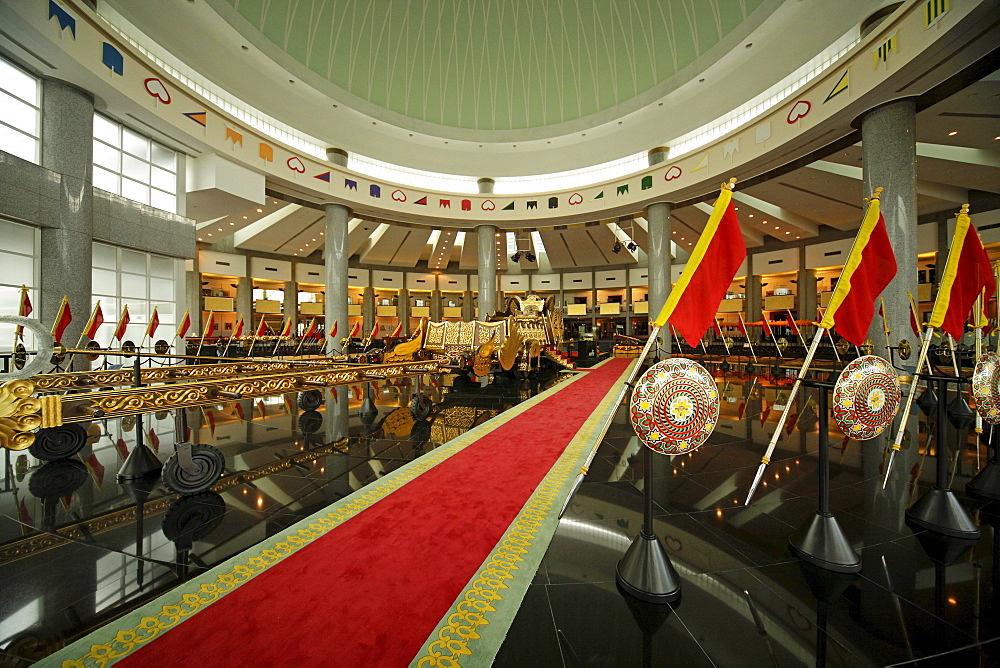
[986, 387]
[866, 397]
[674, 406]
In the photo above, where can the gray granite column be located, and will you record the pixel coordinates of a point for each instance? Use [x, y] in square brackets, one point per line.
[244, 303]
[291, 305]
[67, 250]
[335, 258]
[437, 314]
[367, 311]
[487, 270]
[805, 295]
[754, 301]
[658, 223]
[468, 311]
[192, 290]
[403, 310]
[888, 135]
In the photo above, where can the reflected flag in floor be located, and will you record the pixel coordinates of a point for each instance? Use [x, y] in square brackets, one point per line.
[154, 440]
[121, 448]
[694, 301]
[96, 469]
[63, 317]
[238, 409]
[967, 273]
[27, 523]
[868, 270]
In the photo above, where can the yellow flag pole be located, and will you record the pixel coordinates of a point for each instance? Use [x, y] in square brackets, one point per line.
[747, 334]
[885, 328]
[766, 459]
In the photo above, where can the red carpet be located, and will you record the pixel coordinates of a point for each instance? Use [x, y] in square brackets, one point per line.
[370, 591]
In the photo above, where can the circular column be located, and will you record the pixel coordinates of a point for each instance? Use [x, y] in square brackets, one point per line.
[335, 258]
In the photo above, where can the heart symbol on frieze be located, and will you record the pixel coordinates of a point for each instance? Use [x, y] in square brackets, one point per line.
[798, 110]
[673, 173]
[575, 198]
[156, 88]
[399, 195]
[488, 205]
[673, 544]
[296, 165]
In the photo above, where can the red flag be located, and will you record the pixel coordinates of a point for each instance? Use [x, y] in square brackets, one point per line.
[333, 332]
[238, 330]
[24, 311]
[355, 330]
[122, 448]
[766, 326]
[790, 426]
[154, 322]
[261, 328]
[694, 301]
[209, 325]
[185, 324]
[154, 440]
[96, 469]
[63, 318]
[310, 330]
[718, 329]
[122, 324]
[95, 322]
[792, 324]
[966, 274]
[740, 410]
[374, 332]
[869, 268]
[740, 325]
[398, 331]
[286, 329]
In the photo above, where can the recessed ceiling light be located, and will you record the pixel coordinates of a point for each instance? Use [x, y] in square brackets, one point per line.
[953, 133]
[244, 218]
[200, 239]
[209, 234]
[260, 210]
[751, 215]
[232, 223]
[787, 232]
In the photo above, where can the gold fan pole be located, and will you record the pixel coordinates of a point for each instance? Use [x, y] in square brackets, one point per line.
[766, 459]
[607, 422]
[897, 442]
[980, 312]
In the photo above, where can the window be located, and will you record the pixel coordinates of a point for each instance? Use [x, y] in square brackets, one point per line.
[134, 166]
[19, 254]
[20, 112]
[142, 281]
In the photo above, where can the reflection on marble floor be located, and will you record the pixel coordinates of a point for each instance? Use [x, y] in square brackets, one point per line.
[78, 549]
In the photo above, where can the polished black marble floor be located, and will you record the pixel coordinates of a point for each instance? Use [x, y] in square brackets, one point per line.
[77, 549]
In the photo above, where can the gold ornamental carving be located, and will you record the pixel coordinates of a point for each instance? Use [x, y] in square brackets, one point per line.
[19, 414]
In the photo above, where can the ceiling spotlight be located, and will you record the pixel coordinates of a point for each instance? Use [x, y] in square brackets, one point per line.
[617, 248]
[631, 246]
[516, 257]
[529, 256]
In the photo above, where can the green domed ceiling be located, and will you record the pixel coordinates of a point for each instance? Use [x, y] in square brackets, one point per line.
[494, 65]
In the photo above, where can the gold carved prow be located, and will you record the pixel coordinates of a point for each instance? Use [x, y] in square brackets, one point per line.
[19, 414]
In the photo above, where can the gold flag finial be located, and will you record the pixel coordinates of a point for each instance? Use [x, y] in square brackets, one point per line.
[965, 209]
[729, 185]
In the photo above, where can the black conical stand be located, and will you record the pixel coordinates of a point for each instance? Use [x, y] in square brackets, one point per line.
[142, 461]
[938, 510]
[820, 541]
[645, 571]
[986, 484]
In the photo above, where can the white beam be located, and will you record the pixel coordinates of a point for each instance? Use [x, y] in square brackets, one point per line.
[970, 156]
[756, 238]
[810, 227]
[927, 188]
[260, 226]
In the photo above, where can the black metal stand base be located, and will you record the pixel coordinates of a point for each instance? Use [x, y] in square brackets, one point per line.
[986, 484]
[141, 462]
[938, 510]
[646, 573]
[822, 543]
